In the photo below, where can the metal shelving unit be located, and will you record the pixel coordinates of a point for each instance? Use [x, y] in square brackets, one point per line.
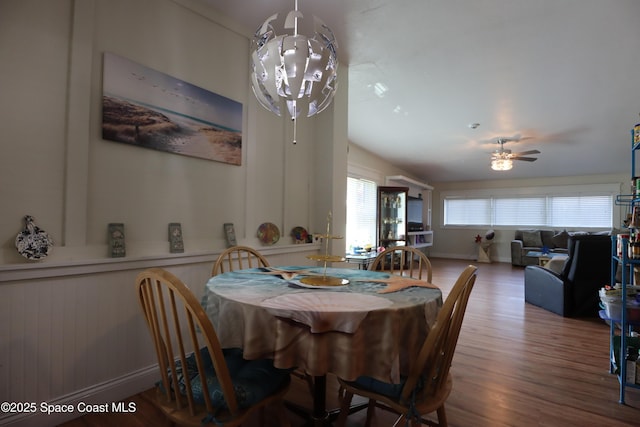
[618, 365]
[627, 279]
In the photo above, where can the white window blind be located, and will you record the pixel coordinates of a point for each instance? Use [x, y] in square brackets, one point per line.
[522, 211]
[556, 208]
[467, 211]
[361, 212]
[581, 211]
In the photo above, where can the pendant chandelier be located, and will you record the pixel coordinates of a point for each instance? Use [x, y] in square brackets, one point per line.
[292, 69]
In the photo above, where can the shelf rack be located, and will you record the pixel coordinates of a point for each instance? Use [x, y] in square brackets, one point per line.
[625, 324]
[627, 279]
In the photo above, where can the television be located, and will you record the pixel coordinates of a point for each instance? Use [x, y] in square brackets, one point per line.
[414, 210]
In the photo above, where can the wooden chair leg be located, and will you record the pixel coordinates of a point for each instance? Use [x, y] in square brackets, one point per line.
[344, 409]
[442, 417]
[399, 422]
[309, 380]
[371, 409]
[282, 415]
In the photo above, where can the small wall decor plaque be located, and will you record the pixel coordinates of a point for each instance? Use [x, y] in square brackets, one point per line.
[33, 243]
[230, 232]
[115, 237]
[176, 245]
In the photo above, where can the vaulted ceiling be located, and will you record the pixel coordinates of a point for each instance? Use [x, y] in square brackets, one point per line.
[563, 75]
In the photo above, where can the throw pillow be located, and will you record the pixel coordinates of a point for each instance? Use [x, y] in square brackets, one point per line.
[532, 239]
[561, 239]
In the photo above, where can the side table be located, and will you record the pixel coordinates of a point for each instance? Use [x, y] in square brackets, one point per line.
[363, 260]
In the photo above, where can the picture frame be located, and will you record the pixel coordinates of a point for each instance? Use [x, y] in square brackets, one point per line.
[230, 233]
[147, 108]
[176, 244]
[116, 240]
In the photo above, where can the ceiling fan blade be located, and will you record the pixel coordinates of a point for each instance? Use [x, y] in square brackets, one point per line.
[509, 139]
[515, 138]
[526, 159]
[527, 152]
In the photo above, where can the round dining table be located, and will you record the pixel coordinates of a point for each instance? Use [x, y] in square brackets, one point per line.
[371, 323]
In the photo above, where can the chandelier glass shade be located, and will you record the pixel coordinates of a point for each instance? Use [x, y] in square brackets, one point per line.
[293, 70]
[501, 164]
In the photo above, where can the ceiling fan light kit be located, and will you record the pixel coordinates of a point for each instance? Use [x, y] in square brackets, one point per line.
[502, 159]
[501, 164]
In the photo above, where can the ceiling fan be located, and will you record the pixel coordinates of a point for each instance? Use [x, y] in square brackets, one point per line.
[502, 158]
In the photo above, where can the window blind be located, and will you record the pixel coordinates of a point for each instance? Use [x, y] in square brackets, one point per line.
[554, 209]
[361, 212]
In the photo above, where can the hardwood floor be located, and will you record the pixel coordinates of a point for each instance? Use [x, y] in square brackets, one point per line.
[515, 365]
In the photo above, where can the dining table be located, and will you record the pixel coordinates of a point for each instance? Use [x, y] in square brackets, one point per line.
[321, 320]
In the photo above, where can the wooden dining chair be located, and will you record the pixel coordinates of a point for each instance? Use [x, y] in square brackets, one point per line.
[201, 382]
[429, 383]
[405, 261]
[238, 258]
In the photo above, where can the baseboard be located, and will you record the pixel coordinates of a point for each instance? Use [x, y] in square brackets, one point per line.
[473, 257]
[104, 394]
[433, 254]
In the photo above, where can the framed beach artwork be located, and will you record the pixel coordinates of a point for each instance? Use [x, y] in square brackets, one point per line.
[150, 109]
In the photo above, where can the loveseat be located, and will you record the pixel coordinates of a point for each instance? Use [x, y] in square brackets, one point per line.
[536, 240]
[574, 291]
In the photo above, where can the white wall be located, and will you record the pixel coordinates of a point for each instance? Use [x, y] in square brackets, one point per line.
[71, 328]
[57, 168]
[367, 165]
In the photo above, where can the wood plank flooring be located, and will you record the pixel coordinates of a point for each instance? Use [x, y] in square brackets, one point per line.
[515, 365]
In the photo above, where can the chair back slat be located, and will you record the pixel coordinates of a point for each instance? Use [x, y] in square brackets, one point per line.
[146, 298]
[434, 360]
[238, 258]
[404, 261]
[182, 355]
[199, 363]
[167, 338]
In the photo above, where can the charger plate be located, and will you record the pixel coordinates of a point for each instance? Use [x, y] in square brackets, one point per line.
[320, 282]
[268, 233]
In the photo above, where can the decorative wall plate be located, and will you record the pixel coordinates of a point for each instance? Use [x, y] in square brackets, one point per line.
[268, 233]
[299, 234]
[33, 243]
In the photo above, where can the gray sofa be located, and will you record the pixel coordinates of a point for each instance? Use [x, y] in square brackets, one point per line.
[534, 240]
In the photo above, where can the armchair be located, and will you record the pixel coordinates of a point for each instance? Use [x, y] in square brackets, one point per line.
[573, 292]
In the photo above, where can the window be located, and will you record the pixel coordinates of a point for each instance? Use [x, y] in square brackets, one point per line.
[567, 206]
[361, 212]
[467, 211]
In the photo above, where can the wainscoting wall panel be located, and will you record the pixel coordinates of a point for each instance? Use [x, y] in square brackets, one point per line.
[75, 333]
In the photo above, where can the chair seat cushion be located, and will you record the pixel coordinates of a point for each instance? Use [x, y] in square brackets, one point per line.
[387, 389]
[253, 380]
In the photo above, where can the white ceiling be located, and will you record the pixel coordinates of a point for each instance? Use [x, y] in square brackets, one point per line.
[565, 73]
